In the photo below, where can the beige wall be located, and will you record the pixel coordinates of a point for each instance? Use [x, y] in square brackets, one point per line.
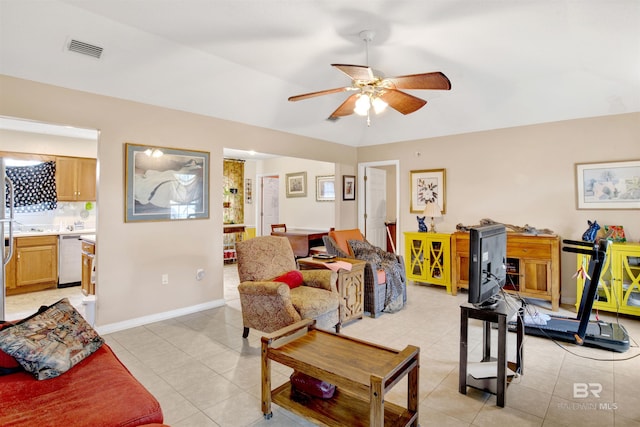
[523, 175]
[133, 256]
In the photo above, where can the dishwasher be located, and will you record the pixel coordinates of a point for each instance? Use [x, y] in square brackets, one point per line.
[70, 260]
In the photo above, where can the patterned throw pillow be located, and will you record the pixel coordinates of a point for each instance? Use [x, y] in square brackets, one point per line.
[51, 342]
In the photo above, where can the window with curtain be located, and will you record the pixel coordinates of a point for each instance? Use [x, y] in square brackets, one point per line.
[34, 187]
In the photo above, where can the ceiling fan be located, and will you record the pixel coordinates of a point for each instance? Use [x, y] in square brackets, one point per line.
[379, 92]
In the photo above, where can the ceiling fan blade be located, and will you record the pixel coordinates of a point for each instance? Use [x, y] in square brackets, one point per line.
[356, 72]
[319, 93]
[402, 102]
[435, 80]
[346, 108]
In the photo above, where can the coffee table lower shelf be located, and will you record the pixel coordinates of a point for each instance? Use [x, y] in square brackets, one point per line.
[342, 409]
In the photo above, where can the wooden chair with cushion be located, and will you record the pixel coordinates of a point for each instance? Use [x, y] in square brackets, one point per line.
[279, 227]
[337, 243]
[275, 294]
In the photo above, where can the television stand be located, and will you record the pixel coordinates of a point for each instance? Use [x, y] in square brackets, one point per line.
[490, 304]
[495, 384]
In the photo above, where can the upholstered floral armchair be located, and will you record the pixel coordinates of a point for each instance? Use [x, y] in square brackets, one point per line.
[382, 269]
[275, 294]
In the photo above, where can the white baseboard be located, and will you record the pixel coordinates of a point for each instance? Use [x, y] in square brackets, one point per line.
[157, 317]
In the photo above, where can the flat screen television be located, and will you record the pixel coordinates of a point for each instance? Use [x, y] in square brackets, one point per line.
[487, 264]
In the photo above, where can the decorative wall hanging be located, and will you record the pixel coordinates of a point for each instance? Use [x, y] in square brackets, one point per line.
[428, 186]
[325, 188]
[163, 184]
[348, 187]
[610, 185]
[296, 184]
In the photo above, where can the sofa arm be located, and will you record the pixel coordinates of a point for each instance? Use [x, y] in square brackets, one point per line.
[322, 279]
[333, 248]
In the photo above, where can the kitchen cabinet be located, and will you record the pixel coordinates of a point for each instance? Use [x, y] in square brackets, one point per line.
[76, 179]
[533, 265]
[35, 264]
[619, 285]
[428, 258]
[88, 283]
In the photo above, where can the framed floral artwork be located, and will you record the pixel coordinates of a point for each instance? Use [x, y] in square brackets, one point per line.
[296, 184]
[428, 186]
[610, 185]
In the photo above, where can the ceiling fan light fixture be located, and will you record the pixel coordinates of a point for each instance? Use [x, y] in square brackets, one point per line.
[379, 105]
[363, 104]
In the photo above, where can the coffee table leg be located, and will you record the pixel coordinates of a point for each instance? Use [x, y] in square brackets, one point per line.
[376, 411]
[266, 382]
[412, 401]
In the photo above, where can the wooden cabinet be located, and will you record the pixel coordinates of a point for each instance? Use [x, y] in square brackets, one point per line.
[88, 283]
[76, 179]
[533, 265]
[428, 258]
[619, 285]
[35, 265]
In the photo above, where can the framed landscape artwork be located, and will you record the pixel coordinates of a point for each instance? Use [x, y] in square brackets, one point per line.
[610, 185]
[428, 186]
[164, 184]
[325, 188]
[296, 184]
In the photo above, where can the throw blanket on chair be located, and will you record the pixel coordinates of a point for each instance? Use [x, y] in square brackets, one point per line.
[382, 260]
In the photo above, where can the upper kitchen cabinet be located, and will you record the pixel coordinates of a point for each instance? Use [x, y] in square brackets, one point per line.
[76, 179]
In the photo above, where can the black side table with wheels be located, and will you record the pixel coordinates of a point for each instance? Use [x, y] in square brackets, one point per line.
[496, 384]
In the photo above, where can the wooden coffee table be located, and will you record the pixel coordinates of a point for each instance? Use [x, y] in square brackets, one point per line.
[362, 372]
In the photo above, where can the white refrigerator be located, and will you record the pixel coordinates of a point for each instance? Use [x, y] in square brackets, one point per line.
[6, 230]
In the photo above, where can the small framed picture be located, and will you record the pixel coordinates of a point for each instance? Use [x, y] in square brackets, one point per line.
[428, 186]
[296, 184]
[348, 187]
[325, 188]
[610, 185]
[165, 184]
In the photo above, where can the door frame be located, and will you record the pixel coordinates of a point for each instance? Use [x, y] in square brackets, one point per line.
[361, 193]
[258, 204]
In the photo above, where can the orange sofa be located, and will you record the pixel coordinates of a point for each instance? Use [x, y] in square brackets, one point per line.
[337, 243]
[99, 391]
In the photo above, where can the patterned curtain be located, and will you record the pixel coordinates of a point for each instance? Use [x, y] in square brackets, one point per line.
[35, 187]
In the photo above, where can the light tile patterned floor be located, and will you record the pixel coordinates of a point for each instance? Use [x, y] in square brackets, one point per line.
[204, 373]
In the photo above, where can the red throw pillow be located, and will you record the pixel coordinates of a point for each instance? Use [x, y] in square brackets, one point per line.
[7, 362]
[292, 278]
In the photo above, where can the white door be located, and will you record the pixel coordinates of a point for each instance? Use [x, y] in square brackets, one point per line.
[375, 206]
[270, 209]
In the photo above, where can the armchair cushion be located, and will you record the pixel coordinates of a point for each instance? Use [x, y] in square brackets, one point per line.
[342, 237]
[292, 278]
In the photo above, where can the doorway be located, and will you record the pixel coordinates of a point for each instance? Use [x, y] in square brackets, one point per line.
[270, 202]
[379, 201]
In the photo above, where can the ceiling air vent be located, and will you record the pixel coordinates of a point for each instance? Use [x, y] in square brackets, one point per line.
[85, 48]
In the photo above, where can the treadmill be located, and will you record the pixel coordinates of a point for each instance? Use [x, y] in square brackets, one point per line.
[582, 330]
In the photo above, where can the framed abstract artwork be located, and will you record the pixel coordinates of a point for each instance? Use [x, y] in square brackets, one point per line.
[348, 187]
[428, 186]
[610, 185]
[164, 184]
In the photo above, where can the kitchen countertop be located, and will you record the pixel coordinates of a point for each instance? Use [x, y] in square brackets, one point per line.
[89, 238]
[52, 233]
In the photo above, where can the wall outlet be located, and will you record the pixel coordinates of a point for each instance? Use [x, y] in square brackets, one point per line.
[165, 279]
[200, 274]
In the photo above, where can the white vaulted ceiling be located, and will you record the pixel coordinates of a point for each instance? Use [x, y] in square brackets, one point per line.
[510, 62]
